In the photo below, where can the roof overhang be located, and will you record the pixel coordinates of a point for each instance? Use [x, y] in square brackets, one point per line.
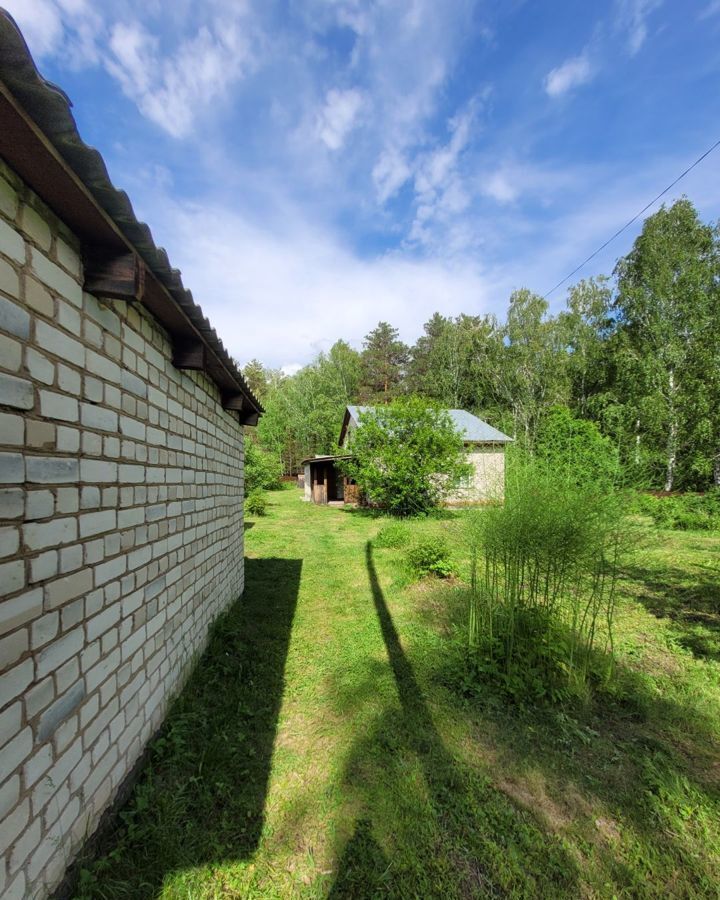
[40, 142]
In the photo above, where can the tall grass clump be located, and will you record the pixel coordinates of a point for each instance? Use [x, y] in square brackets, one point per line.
[544, 569]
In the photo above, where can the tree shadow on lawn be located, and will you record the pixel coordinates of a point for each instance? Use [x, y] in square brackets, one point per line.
[201, 796]
[451, 833]
[634, 774]
[691, 601]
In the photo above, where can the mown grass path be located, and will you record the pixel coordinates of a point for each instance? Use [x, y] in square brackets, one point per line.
[316, 752]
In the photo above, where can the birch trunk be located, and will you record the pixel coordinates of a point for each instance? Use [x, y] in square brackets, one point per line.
[672, 434]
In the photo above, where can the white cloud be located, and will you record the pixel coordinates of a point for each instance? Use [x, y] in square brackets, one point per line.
[632, 16]
[296, 287]
[171, 90]
[712, 9]
[70, 27]
[390, 173]
[571, 74]
[338, 116]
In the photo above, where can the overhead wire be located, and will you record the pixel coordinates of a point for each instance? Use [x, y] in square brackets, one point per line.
[634, 219]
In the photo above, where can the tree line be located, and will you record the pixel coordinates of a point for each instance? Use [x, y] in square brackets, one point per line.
[638, 353]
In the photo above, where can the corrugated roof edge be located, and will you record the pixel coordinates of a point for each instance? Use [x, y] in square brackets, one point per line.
[49, 107]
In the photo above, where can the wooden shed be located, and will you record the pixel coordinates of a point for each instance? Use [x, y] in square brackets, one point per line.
[325, 483]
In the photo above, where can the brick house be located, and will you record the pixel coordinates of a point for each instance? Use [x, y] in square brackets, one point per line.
[121, 481]
[484, 445]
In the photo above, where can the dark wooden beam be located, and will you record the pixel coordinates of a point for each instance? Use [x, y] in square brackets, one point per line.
[120, 276]
[249, 418]
[234, 401]
[189, 355]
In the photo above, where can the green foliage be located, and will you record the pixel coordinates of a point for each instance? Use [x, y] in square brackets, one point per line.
[684, 512]
[263, 470]
[384, 359]
[392, 536]
[407, 456]
[430, 557]
[575, 449]
[256, 504]
[544, 573]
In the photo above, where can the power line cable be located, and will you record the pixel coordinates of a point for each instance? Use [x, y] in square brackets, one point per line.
[634, 219]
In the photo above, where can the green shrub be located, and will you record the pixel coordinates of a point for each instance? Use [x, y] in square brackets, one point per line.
[430, 557]
[392, 536]
[263, 470]
[544, 571]
[256, 504]
[685, 512]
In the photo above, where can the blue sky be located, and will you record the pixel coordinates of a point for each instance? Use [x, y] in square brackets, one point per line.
[315, 166]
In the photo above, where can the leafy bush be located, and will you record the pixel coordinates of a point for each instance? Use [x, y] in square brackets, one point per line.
[577, 449]
[430, 557]
[256, 504]
[263, 470]
[407, 456]
[544, 571]
[686, 512]
[392, 536]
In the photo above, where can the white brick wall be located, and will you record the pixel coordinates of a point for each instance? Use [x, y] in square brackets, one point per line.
[120, 511]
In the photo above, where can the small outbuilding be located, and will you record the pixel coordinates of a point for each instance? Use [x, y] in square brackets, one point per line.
[485, 446]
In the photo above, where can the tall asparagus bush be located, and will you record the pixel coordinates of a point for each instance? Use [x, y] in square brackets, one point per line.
[543, 585]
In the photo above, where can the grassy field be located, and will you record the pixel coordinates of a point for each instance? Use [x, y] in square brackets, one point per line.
[322, 749]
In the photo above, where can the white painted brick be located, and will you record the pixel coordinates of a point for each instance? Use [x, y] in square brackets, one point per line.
[62, 590]
[9, 796]
[35, 227]
[19, 610]
[68, 500]
[44, 566]
[39, 504]
[24, 846]
[71, 558]
[69, 318]
[132, 474]
[97, 471]
[97, 522]
[44, 629]
[54, 655]
[10, 719]
[9, 281]
[13, 318]
[39, 535]
[16, 392]
[103, 367]
[8, 199]
[55, 278]
[68, 257]
[68, 439]
[12, 825]
[57, 343]
[109, 570]
[12, 576]
[9, 541]
[69, 380]
[39, 696]
[39, 366]
[12, 429]
[13, 646]
[59, 406]
[12, 503]
[98, 417]
[38, 764]
[100, 623]
[10, 353]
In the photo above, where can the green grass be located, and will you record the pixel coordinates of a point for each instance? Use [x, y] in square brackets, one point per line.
[321, 748]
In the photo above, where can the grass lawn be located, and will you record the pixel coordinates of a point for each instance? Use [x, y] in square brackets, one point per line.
[321, 748]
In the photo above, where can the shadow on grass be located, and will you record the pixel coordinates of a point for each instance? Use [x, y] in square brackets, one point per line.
[453, 833]
[201, 797]
[690, 601]
[633, 773]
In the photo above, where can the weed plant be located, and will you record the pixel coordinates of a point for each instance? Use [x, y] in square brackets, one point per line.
[430, 557]
[392, 536]
[544, 569]
[683, 512]
[256, 504]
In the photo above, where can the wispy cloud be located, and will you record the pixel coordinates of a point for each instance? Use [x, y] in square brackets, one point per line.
[632, 20]
[172, 89]
[338, 116]
[576, 71]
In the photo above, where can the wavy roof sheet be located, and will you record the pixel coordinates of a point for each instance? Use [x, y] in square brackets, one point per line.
[49, 107]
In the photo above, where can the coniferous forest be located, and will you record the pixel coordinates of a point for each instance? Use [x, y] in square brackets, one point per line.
[637, 352]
